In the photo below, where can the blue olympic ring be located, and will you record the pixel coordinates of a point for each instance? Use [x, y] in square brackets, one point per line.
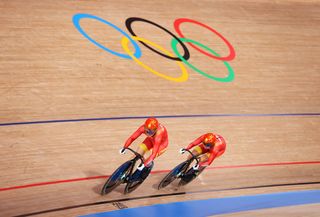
[76, 21]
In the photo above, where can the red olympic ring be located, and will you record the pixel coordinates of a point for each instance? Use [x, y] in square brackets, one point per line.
[179, 21]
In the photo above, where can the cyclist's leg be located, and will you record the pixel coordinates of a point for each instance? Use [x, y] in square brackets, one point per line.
[204, 157]
[145, 146]
[196, 151]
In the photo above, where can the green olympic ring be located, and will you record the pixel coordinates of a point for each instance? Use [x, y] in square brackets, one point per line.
[229, 78]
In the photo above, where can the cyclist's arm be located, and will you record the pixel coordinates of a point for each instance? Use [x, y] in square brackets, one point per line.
[195, 142]
[155, 150]
[134, 136]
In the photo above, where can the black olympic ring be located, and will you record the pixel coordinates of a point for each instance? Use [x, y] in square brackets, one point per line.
[129, 22]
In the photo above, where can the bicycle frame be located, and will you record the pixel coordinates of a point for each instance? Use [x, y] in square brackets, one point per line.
[134, 160]
[194, 157]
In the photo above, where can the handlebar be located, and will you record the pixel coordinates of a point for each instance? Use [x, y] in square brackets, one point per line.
[194, 157]
[136, 153]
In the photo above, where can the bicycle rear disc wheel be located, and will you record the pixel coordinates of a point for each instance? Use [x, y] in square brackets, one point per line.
[189, 176]
[137, 178]
[117, 177]
[131, 186]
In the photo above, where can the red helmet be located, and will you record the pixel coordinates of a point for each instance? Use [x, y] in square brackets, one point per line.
[209, 139]
[150, 126]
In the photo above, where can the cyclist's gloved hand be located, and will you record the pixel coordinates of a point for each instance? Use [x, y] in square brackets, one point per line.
[196, 167]
[182, 150]
[141, 167]
[122, 151]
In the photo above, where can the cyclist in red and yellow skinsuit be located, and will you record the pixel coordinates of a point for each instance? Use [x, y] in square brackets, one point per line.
[209, 146]
[157, 140]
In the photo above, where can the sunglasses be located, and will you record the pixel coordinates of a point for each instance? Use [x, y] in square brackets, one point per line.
[207, 145]
[149, 132]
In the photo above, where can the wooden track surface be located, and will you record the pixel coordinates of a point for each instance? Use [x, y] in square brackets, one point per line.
[49, 71]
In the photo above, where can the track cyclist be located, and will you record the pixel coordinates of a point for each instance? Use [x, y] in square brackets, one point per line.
[209, 146]
[157, 140]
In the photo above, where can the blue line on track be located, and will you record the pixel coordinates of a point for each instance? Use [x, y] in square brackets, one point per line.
[218, 206]
[159, 116]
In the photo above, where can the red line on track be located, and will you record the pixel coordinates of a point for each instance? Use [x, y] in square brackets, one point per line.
[159, 171]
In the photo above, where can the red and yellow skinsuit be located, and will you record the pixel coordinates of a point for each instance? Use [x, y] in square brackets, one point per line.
[158, 142]
[213, 152]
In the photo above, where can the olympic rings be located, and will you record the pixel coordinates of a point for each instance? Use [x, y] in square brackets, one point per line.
[227, 79]
[129, 22]
[165, 53]
[182, 78]
[76, 21]
[177, 24]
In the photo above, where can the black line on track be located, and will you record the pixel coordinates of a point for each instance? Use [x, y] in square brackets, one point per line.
[159, 116]
[163, 195]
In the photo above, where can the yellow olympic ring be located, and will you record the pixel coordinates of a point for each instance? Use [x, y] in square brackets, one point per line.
[182, 78]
